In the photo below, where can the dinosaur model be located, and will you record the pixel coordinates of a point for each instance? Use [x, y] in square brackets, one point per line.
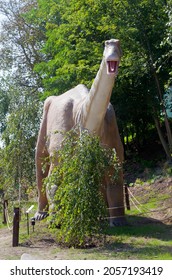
[94, 112]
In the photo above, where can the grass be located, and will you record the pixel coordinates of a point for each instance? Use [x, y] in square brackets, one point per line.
[137, 241]
[140, 240]
[143, 239]
[1, 224]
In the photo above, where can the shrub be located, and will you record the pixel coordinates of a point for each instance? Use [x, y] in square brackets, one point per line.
[81, 210]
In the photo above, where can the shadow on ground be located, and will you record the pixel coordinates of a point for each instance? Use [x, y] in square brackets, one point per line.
[143, 227]
[144, 238]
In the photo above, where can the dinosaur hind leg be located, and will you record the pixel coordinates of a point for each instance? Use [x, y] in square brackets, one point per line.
[115, 198]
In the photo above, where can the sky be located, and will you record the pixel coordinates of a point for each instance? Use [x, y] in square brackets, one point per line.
[1, 18]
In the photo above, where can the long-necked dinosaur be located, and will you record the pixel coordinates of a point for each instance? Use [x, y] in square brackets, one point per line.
[92, 109]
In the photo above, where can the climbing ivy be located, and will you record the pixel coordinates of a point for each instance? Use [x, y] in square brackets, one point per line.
[81, 210]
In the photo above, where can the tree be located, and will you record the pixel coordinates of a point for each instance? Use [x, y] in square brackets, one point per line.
[140, 25]
[19, 42]
[167, 41]
[19, 93]
[21, 124]
[4, 103]
[146, 23]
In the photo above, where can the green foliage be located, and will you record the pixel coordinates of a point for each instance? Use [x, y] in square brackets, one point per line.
[169, 171]
[142, 25]
[4, 103]
[21, 122]
[75, 33]
[58, 44]
[80, 208]
[19, 101]
[167, 41]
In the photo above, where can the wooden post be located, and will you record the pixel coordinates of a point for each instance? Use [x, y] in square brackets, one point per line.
[16, 227]
[5, 205]
[27, 215]
[127, 198]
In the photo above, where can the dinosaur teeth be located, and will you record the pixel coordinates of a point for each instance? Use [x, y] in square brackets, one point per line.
[112, 67]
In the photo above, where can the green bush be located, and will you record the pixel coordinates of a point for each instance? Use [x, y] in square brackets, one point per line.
[81, 210]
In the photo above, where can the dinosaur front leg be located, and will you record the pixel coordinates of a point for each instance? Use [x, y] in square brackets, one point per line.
[42, 211]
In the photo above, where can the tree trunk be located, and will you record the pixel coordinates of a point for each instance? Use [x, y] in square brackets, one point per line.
[160, 94]
[167, 125]
[161, 137]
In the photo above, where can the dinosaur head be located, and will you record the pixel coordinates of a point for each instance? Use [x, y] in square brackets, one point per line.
[112, 55]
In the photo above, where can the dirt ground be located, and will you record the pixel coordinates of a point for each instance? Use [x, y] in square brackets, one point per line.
[45, 247]
[160, 193]
[41, 249]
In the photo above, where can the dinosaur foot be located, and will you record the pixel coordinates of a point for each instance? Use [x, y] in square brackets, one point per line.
[40, 215]
[117, 222]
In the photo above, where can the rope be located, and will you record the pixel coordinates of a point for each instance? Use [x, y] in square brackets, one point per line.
[115, 207]
[146, 209]
[135, 205]
[133, 199]
[107, 218]
[136, 199]
[7, 218]
[7, 214]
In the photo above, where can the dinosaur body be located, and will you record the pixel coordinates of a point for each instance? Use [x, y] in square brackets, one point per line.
[92, 110]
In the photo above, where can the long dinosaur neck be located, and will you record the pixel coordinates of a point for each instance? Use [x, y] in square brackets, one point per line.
[96, 103]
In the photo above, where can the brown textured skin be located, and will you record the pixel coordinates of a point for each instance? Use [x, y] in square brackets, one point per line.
[61, 113]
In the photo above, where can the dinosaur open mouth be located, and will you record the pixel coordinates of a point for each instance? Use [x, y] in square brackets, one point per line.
[112, 67]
